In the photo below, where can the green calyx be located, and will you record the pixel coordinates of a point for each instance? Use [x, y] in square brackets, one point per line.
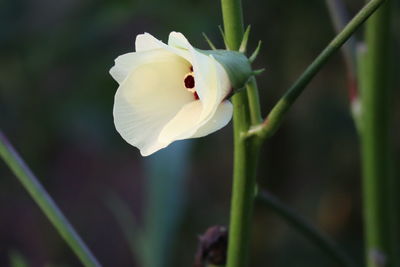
[236, 65]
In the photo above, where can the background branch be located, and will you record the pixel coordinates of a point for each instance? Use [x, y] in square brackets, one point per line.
[274, 119]
[299, 223]
[45, 202]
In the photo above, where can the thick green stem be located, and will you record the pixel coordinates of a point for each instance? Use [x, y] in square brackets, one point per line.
[245, 151]
[377, 180]
[308, 230]
[233, 23]
[243, 194]
[275, 117]
[45, 202]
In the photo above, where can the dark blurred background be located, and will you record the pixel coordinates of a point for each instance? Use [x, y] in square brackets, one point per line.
[56, 99]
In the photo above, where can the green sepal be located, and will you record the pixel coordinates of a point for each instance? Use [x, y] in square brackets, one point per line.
[243, 44]
[236, 65]
[209, 42]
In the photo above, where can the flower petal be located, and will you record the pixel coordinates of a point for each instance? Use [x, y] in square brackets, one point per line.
[201, 66]
[194, 115]
[212, 85]
[146, 41]
[176, 39]
[220, 118]
[148, 98]
[124, 64]
[184, 124]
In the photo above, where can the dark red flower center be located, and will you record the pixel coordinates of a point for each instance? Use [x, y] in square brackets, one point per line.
[189, 81]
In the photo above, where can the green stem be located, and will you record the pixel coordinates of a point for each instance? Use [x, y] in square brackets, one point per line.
[233, 23]
[254, 102]
[275, 117]
[377, 181]
[45, 202]
[308, 230]
[245, 151]
[243, 193]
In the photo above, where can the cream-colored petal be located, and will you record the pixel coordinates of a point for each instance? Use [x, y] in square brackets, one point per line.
[208, 85]
[136, 129]
[204, 75]
[146, 41]
[194, 115]
[201, 66]
[209, 71]
[124, 64]
[150, 96]
[177, 44]
[184, 124]
[176, 39]
[221, 117]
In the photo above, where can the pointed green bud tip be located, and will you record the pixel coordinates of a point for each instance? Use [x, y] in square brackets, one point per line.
[236, 65]
[243, 45]
[209, 42]
[258, 72]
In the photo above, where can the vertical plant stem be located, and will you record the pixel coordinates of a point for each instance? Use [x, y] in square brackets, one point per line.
[378, 195]
[245, 151]
[45, 202]
[233, 22]
[243, 194]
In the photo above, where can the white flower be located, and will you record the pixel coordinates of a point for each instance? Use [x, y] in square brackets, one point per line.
[168, 92]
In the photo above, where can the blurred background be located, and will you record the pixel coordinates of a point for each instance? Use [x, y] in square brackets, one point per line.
[56, 99]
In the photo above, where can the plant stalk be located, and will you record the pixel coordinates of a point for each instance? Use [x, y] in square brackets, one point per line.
[245, 151]
[45, 202]
[378, 192]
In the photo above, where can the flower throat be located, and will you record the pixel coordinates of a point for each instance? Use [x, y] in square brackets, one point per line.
[190, 83]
